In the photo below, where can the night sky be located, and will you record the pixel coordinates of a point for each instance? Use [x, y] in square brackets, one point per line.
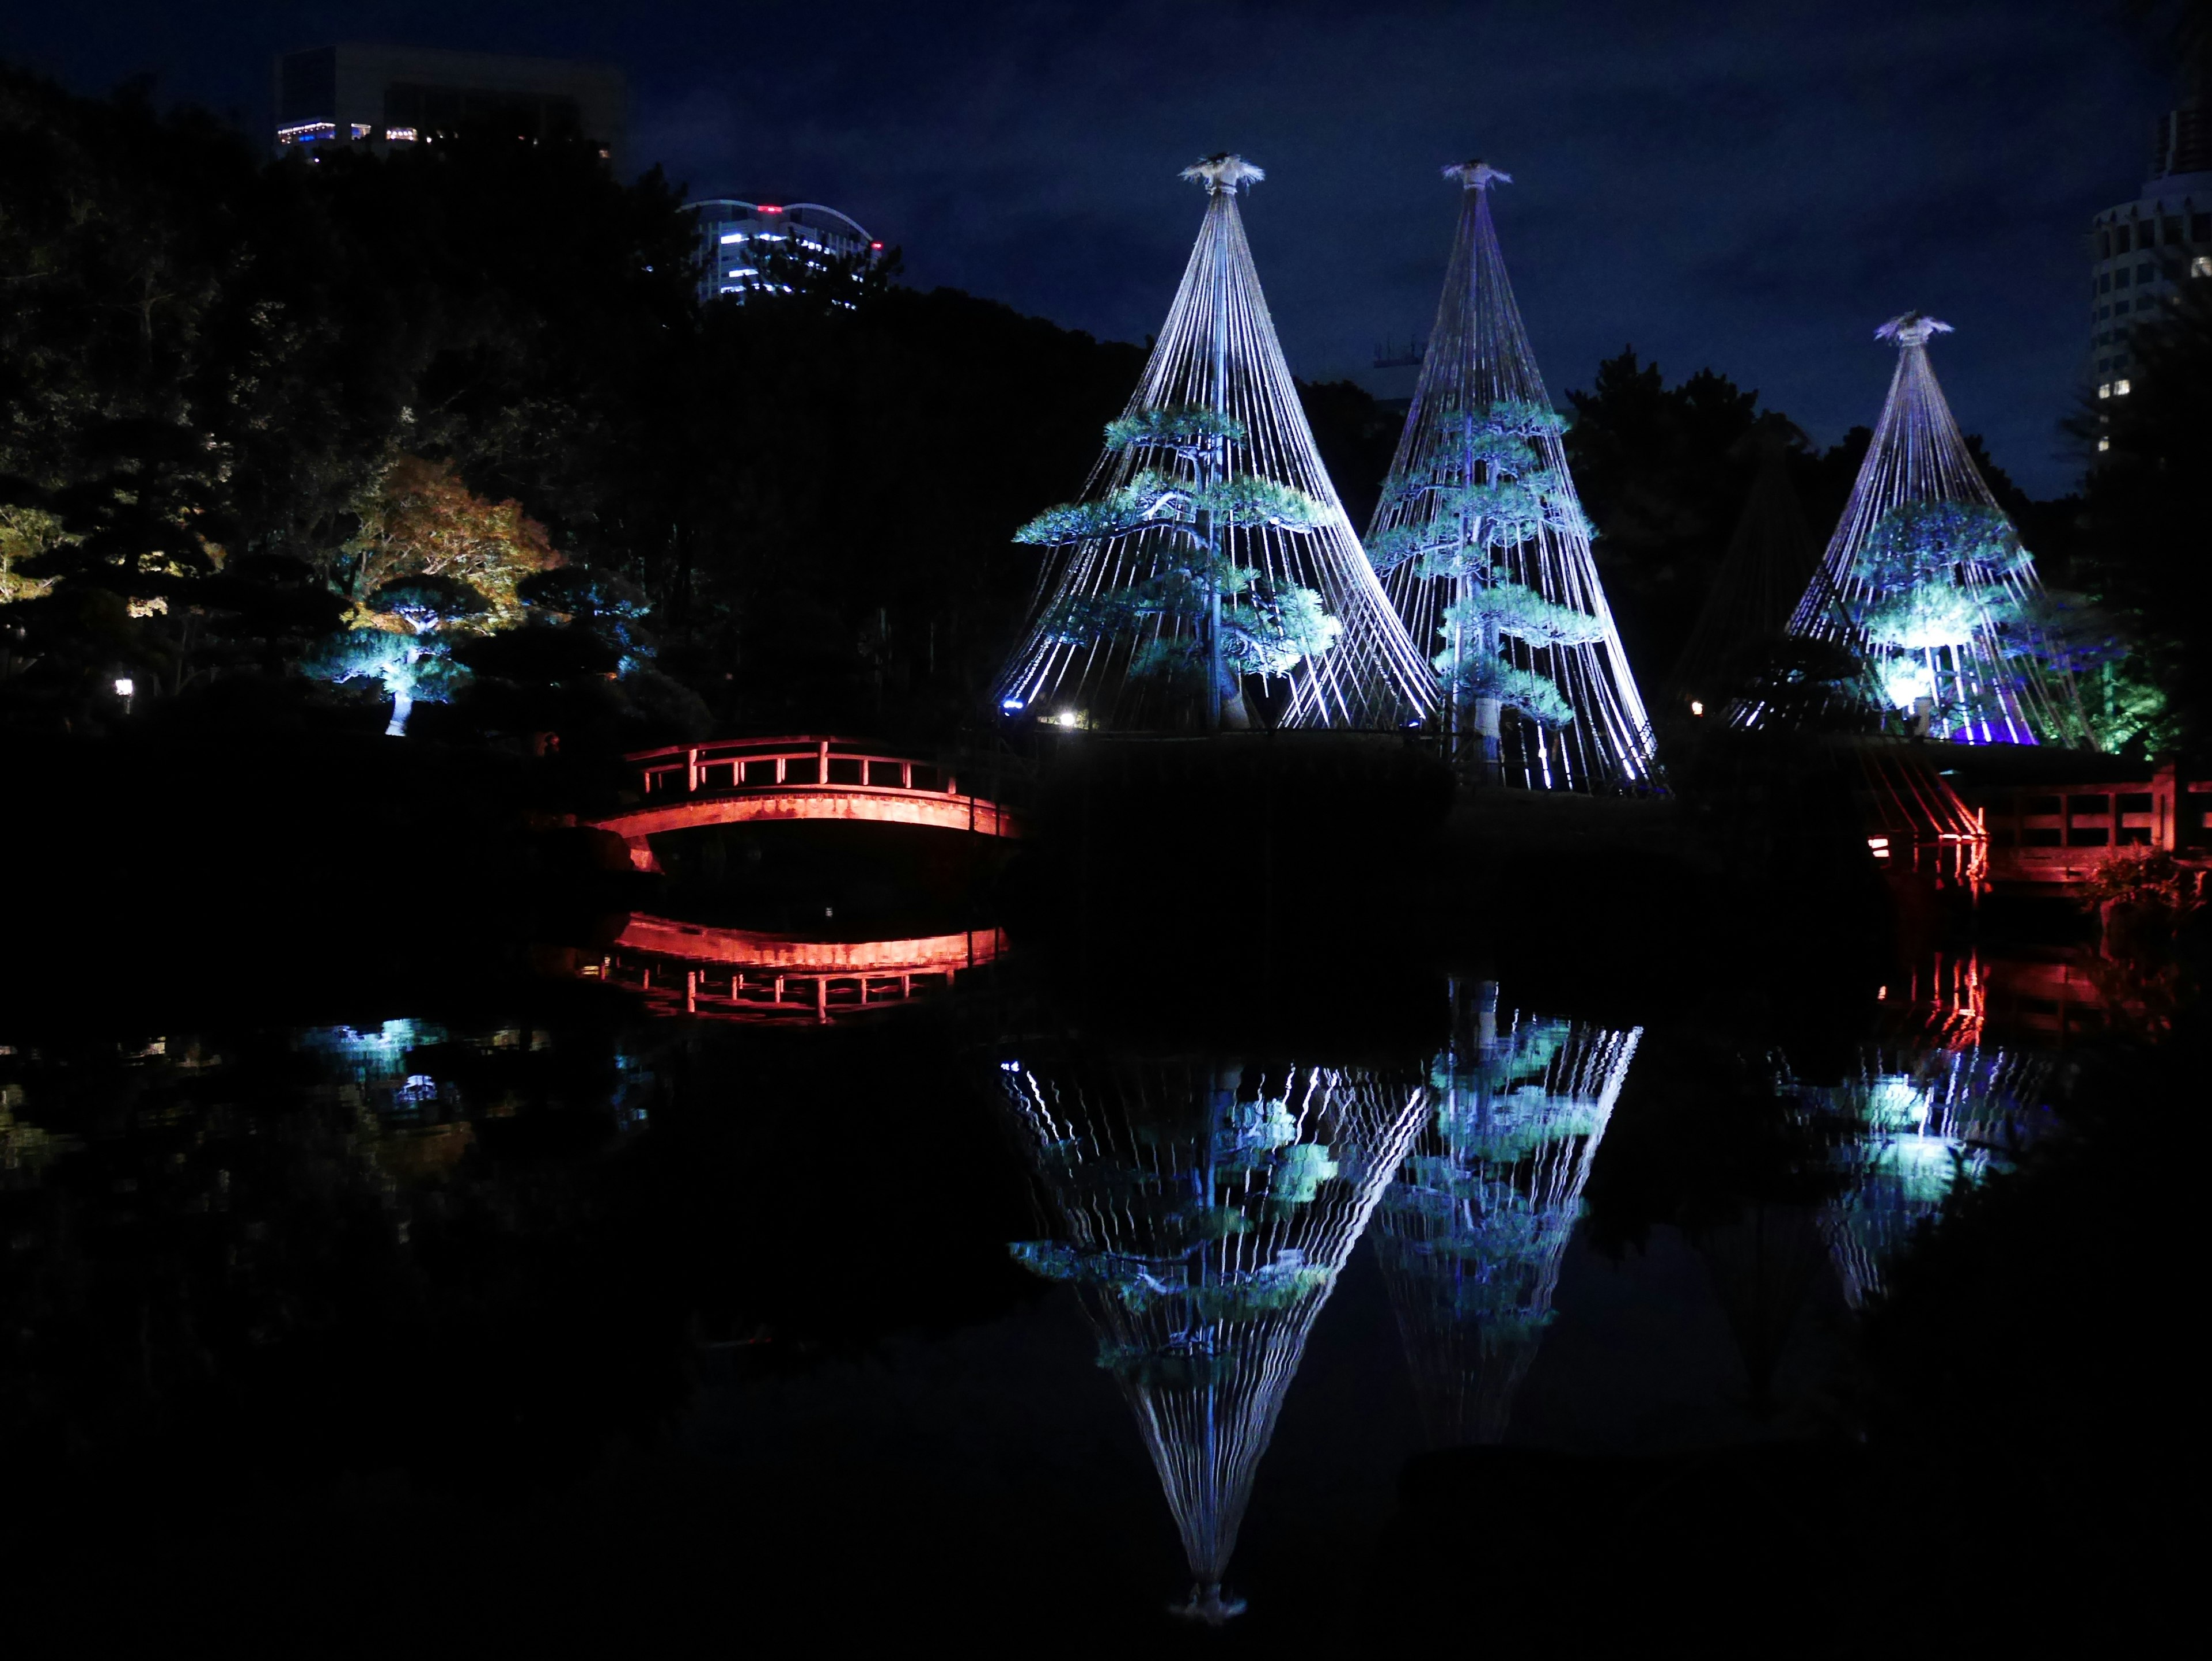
[1751, 187]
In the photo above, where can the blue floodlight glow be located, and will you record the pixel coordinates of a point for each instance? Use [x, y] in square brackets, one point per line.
[1011, 706]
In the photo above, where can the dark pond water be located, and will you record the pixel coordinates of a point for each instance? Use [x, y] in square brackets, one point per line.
[946, 1304]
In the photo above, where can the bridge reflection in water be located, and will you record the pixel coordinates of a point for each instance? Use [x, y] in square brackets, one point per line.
[747, 975]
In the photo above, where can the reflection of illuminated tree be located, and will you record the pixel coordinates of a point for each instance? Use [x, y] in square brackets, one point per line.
[1474, 1231]
[1909, 1130]
[1202, 1212]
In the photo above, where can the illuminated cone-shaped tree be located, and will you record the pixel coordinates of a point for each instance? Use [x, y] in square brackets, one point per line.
[1484, 548]
[1908, 1129]
[1926, 582]
[1209, 550]
[1202, 1211]
[1473, 1232]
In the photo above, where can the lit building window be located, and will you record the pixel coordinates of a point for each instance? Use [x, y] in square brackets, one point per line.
[399, 135]
[2105, 391]
[734, 236]
[306, 132]
[2201, 267]
[2103, 445]
[2119, 389]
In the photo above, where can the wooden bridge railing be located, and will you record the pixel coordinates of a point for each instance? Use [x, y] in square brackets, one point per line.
[757, 763]
[2059, 833]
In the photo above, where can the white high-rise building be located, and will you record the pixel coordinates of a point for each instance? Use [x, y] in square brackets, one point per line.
[734, 234]
[2141, 250]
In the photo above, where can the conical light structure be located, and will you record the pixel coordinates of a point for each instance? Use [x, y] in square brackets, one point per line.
[1908, 1129]
[1203, 1210]
[1217, 407]
[1471, 1233]
[1481, 480]
[1770, 557]
[1926, 582]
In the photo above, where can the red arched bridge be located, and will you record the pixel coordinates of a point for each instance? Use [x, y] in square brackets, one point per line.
[749, 780]
[740, 974]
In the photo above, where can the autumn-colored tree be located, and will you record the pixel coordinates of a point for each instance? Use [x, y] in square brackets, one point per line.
[24, 533]
[419, 519]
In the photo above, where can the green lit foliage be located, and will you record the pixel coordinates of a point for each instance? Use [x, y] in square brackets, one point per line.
[1490, 494]
[1265, 627]
[2141, 523]
[1216, 1184]
[411, 660]
[1487, 613]
[1184, 429]
[1931, 572]
[1931, 579]
[1471, 509]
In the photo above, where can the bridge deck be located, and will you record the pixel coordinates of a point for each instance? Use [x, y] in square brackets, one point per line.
[750, 780]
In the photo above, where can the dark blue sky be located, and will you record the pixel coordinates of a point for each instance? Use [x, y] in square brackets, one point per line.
[1748, 186]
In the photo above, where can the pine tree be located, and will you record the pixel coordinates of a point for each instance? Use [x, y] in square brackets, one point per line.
[1203, 618]
[1460, 534]
[1473, 1229]
[1202, 1212]
[405, 648]
[1926, 582]
[1209, 548]
[1485, 549]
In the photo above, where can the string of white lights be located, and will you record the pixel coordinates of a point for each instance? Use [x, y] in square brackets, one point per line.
[1203, 1213]
[1988, 666]
[1218, 351]
[1472, 1234]
[1478, 357]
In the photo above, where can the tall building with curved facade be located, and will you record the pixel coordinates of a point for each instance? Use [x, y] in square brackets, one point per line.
[2141, 250]
[734, 234]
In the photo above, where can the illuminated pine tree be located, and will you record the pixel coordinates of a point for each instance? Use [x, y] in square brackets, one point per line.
[1926, 582]
[410, 655]
[1209, 550]
[1471, 1233]
[1485, 550]
[1203, 1212]
[1908, 1129]
[1204, 622]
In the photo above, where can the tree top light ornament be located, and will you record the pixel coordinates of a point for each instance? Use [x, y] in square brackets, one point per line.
[1484, 549]
[1208, 562]
[1926, 582]
[1202, 1211]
